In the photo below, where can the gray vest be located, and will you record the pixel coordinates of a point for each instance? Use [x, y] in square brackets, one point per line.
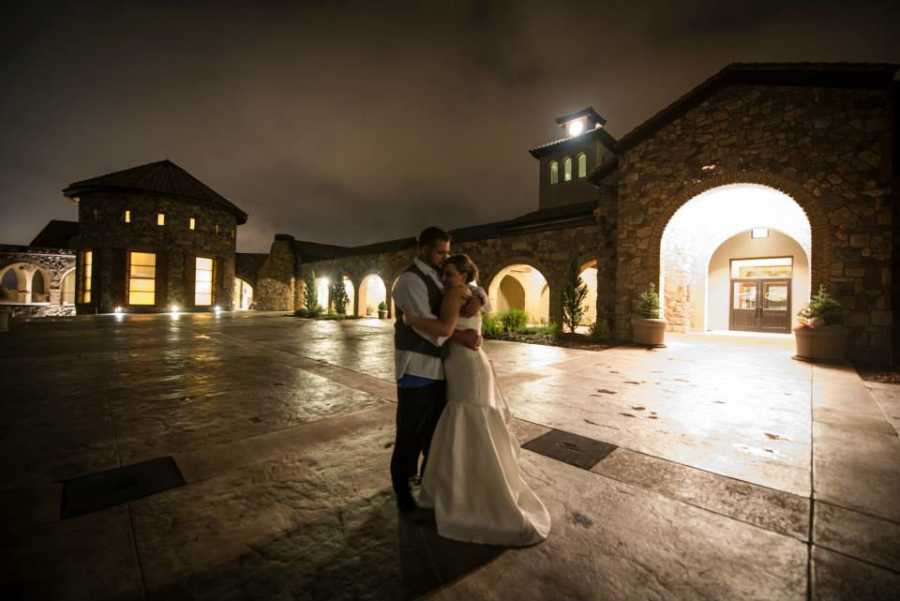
[407, 339]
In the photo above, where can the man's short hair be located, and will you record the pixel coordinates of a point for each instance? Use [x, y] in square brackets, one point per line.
[430, 236]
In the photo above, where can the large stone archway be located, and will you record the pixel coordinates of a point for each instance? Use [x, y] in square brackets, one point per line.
[703, 223]
[643, 222]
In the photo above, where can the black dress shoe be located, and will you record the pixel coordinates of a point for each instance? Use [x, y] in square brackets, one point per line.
[406, 504]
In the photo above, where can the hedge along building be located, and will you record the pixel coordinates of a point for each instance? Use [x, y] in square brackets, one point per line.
[737, 200]
[151, 238]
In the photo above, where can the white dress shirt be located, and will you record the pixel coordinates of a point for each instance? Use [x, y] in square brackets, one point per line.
[411, 296]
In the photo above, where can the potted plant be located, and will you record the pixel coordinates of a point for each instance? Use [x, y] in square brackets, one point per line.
[382, 310]
[821, 335]
[647, 328]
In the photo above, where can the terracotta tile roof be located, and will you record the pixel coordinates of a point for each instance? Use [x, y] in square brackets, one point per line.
[162, 177]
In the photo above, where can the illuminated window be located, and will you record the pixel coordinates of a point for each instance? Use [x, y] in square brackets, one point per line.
[87, 272]
[160, 219]
[567, 169]
[204, 272]
[217, 229]
[554, 172]
[141, 278]
[97, 215]
[772, 267]
[127, 217]
[192, 224]
[759, 232]
[582, 165]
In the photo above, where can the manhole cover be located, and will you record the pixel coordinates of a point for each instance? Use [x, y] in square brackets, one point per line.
[94, 492]
[571, 448]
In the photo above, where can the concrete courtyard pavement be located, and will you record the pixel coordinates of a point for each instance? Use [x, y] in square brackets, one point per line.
[735, 472]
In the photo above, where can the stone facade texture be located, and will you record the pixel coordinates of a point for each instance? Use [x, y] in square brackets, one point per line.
[54, 264]
[830, 148]
[826, 148]
[104, 231]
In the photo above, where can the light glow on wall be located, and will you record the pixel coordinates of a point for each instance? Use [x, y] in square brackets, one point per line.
[575, 127]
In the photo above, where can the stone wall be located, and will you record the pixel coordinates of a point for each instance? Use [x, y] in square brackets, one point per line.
[103, 230]
[276, 278]
[549, 251]
[827, 148]
[53, 264]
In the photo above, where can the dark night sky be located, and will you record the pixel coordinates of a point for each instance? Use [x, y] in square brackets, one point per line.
[348, 124]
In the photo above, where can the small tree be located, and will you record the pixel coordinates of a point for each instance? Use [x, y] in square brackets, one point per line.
[310, 294]
[339, 296]
[574, 293]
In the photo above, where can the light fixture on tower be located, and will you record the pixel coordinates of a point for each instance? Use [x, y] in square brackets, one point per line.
[580, 122]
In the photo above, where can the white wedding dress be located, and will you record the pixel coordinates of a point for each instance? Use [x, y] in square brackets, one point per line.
[472, 479]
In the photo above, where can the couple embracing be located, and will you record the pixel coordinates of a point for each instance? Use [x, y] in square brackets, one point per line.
[450, 410]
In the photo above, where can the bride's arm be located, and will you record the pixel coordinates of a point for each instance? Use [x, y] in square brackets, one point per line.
[443, 326]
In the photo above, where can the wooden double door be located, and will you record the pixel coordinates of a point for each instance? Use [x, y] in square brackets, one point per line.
[760, 305]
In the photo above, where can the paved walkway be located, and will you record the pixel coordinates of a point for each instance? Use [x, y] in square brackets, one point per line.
[737, 473]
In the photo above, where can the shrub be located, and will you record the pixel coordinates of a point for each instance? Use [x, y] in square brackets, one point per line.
[309, 314]
[491, 327]
[599, 330]
[310, 295]
[574, 294]
[339, 296]
[550, 329]
[822, 306]
[648, 303]
[382, 306]
[513, 320]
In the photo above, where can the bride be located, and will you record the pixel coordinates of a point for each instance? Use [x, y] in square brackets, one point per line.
[472, 477]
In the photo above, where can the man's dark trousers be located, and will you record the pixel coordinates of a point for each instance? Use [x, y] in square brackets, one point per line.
[418, 411]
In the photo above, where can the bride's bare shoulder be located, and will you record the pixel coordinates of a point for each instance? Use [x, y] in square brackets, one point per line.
[458, 292]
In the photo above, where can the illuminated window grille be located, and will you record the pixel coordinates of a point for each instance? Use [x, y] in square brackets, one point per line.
[554, 172]
[567, 169]
[218, 230]
[759, 232]
[192, 224]
[127, 216]
[582, 165]
[204, 276]
[141, 278]
[87, 270]
[160, 219]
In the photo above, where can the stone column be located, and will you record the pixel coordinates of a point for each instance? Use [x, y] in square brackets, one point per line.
[276, 282]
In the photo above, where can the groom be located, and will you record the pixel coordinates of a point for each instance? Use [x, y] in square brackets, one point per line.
[418, 357]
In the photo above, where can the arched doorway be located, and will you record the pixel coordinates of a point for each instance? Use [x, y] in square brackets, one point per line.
[372, 293]
[10, 284]
[747, 227]
[243, 295]
[522, 287]
[67, 291]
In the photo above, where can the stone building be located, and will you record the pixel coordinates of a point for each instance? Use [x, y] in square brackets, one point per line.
[152, 238]
[737, 201]
[38, 280]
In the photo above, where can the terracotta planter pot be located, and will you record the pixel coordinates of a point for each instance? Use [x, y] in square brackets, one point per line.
[826, 343]
[650, 332]
[382, 314]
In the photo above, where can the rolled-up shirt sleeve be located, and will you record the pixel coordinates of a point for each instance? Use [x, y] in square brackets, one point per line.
[411, 295]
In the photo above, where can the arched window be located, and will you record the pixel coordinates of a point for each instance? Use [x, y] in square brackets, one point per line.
[567, 169]
[38, 293]
[582, 165]
[554, 172]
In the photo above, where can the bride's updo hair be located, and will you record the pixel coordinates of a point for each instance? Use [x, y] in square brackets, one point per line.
[464, 265]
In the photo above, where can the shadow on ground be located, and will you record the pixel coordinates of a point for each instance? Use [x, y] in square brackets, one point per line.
[360, 551]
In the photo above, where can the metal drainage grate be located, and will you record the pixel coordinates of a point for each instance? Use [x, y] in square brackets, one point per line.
[94, 492]
[571, 448]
